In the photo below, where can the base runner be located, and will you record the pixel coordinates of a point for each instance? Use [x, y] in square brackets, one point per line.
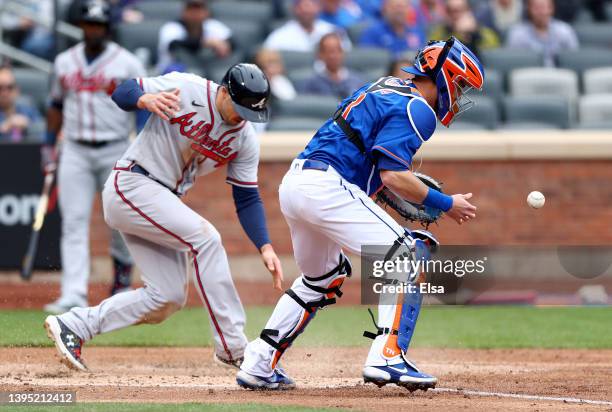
[325, 198]
[197, 127]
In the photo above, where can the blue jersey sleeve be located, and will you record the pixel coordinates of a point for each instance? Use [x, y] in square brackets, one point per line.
[402, 135]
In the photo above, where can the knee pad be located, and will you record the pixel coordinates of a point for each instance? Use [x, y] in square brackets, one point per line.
[427, 238]
[333, 281]
[416, 245]
[336, 277]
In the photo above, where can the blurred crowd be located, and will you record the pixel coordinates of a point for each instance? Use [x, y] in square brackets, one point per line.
[208, 36]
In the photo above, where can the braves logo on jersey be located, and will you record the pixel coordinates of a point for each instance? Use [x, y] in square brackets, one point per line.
[218, 150]
[98, 82]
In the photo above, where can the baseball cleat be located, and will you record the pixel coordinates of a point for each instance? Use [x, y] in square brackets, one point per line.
[401, 374]
[235, 363]
[279, 381]
[67, 343]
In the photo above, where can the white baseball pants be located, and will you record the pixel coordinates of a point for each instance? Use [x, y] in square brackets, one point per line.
[325, 214]
[167, 240]
[82, 172]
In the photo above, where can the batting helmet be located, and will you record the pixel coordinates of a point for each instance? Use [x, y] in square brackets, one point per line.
[96, 11]
[455, 70]
[249, 90]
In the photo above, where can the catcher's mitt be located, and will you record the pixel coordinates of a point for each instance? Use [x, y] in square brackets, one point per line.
[414, 212]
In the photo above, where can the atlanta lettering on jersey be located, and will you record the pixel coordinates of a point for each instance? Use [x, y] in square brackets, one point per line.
[217, 150]
[98, 82]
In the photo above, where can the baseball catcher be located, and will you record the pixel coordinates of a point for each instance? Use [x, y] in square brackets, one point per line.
[368, 144]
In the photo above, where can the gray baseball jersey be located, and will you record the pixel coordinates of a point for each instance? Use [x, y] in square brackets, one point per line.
[196, 141]
[168, 240]
[85, 88]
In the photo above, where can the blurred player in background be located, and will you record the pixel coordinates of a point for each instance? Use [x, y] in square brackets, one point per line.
[325, 198]
[95, 134]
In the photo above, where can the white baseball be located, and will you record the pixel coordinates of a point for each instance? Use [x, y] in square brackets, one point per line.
[536, 199]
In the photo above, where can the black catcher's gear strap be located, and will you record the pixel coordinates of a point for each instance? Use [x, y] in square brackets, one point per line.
[379, 330]
[310, 306]
[265, 336]
[353, 135]
[396, 245]
[344, 267]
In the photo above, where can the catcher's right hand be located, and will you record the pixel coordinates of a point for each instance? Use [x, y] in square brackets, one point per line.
[462, 210]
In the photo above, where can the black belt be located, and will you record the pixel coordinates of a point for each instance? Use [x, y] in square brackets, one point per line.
[96, 144]
[136, 168]
[315, 165]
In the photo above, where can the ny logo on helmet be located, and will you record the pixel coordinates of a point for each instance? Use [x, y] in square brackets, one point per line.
[259, 105]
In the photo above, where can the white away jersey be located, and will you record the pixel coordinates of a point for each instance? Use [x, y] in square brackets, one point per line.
[85, 90]
[196, 141]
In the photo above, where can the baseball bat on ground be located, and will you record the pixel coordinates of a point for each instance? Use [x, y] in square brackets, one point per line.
[39, 219]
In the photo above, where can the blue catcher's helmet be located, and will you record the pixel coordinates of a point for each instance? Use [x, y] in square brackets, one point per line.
[455, 70]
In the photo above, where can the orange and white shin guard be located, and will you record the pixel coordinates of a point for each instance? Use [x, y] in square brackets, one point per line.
[299, 305]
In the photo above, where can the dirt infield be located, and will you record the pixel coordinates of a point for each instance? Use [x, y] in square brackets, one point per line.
[469, 379]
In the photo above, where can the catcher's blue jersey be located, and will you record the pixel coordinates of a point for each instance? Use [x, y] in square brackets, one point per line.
[393, 121]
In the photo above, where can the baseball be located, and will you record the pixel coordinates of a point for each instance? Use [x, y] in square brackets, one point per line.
[536, 199]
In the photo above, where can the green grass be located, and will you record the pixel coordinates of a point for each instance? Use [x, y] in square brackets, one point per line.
[164, 407]
[452, 327]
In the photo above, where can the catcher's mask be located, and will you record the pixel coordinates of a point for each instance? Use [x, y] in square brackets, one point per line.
[455, 70]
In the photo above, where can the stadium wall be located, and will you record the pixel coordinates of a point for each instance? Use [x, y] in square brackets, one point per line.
[573, 169]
